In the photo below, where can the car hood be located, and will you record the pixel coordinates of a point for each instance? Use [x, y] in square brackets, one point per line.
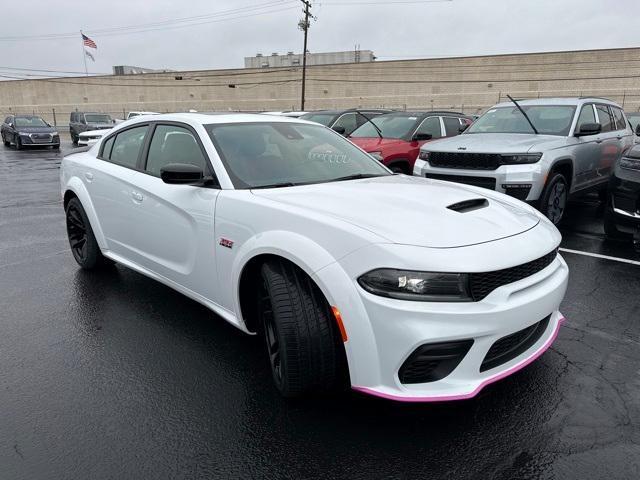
[376, 144]
[496, 143]
[36, 129]
[412, 210]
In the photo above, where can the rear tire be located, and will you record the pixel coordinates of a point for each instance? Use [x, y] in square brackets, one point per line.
[302, 337]
[83, 243]
[553, 201]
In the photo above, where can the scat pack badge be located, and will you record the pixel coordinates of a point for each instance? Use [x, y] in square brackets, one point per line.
[225, 242]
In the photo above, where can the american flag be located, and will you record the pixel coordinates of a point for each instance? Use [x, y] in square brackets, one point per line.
[88, 42]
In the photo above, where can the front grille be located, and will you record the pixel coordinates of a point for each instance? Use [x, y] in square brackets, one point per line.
[509, 347]
[470, 161]
[40, 137]
[482, 284]
[484, 182]
[433, 361]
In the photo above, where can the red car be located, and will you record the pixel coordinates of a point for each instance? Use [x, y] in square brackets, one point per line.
[395, 138]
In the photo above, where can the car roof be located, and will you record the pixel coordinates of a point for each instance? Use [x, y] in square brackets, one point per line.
[218, 118]
[347, 110]
[571, 101]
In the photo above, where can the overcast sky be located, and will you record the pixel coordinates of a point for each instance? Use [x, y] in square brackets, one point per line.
[393, 29]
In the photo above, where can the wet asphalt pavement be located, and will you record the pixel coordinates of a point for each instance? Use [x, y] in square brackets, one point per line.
[113, 375]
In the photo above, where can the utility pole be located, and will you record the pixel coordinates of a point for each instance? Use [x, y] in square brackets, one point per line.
[304, 26]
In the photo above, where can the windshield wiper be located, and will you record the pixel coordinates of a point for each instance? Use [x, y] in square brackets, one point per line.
[355, 176]
[524, 113]
[378, 131]
[275, 185]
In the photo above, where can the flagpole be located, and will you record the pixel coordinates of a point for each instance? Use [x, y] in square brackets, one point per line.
[84, 55]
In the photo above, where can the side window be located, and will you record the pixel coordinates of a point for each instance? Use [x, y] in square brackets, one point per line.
[127, 146]
[361, 120]
[348, 121]
[451, 126]
[431, 125]
[173, 144]
[586, 116]
[605, 118]
[621, 124]
[106, 148]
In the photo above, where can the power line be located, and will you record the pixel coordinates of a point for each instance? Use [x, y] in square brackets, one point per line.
[232, 14]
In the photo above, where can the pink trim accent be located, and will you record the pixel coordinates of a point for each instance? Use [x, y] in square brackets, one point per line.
[485, 382]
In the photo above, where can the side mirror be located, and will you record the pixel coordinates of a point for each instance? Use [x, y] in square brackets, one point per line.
[588, 129]
[463, 128]
[419, 137]
[340, 129]
[181, 174]
[638, 130]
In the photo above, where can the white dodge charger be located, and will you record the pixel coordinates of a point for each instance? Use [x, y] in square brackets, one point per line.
[402, 287]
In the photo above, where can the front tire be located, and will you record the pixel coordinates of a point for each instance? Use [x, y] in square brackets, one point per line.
[302, 337]
[6, 142]
[553, 201]
[18, 143]
[83, 243]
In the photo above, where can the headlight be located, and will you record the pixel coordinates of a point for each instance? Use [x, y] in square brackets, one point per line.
[630, 163]
[417, 286]
[377, 156]
[424, 156]
[54, 134]
[23, 133]
[521, 159]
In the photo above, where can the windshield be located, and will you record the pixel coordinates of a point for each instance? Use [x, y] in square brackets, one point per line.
[321, 118]
[30, 122]
[283, 154]
[97, 118]
[391, 126]
[548, 120]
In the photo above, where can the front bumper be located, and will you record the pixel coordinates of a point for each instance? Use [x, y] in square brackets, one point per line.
[508, 179]
[384, 332]
[33, 140]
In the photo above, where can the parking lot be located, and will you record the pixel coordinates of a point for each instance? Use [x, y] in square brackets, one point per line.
[113, 375]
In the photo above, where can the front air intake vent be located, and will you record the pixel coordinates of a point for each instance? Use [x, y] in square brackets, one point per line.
[469, 205]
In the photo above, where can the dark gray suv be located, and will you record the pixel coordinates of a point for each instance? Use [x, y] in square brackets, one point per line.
[83, 121]
[28, 131]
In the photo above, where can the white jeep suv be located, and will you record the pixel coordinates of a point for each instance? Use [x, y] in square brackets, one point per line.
[539, 150]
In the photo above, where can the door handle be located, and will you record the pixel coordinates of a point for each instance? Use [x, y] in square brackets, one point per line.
[88, 176]
[138, 197]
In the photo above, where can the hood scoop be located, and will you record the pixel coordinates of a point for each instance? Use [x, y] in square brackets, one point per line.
[469, 205]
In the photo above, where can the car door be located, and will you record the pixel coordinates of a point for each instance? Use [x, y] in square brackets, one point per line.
[586, 150]
[108, 182]
[611, 146]
[174, 224]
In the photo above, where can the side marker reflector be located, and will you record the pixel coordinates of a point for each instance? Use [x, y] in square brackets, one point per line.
[338, 317]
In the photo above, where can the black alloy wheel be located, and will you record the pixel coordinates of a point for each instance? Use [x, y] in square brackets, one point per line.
[83, 243]
[270, 334]
[77, 233]
[555, 197]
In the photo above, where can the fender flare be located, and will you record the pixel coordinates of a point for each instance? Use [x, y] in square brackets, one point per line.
[298, 249]
[76, 186]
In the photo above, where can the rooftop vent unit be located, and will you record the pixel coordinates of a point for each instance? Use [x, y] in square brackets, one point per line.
[258, 54]
[274, 54]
